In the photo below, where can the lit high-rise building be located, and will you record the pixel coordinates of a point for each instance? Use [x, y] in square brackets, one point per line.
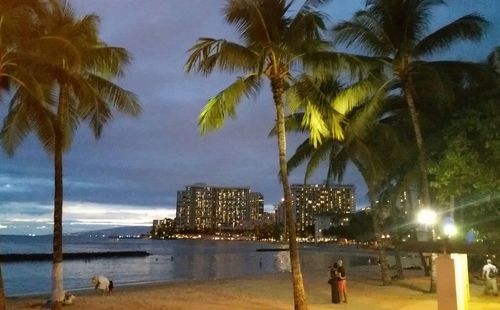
[309, 201]
[206, 208]
[255, 205]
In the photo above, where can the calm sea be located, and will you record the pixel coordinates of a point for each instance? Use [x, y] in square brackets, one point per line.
[171, 260]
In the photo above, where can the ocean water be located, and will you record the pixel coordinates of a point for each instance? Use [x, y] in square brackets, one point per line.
[170, 260]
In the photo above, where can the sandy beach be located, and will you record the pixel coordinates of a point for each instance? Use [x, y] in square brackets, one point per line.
[267, 292]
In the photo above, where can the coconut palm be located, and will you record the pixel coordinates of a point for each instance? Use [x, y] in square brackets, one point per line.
[74, 68]
[18, 23]
[397, 30]
[375, 150]
[275, 44]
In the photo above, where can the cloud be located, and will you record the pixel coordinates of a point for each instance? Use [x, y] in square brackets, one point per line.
[77, 216]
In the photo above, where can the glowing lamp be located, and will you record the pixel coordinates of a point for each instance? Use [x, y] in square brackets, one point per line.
[450, 229]
[427, 217]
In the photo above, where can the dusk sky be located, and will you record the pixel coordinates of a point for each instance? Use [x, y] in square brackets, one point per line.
[131, 175]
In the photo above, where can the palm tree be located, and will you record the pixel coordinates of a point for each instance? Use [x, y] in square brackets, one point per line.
[376, 151]
[18, 23]
[396, 30]
[74, 71]
[275, 44]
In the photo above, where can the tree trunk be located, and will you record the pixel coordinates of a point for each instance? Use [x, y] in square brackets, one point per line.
[378, 220]
[425, 265]
[298, 285]
[408, 90]
[2, 293]
[426, 197]
[399, 266]
[382, 254]
[57, 262]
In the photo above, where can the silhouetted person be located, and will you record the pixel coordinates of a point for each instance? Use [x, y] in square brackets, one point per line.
[333, 281]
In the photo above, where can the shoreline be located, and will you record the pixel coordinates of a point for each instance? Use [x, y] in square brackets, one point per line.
[269, 291]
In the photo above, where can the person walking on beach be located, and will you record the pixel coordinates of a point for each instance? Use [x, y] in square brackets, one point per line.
[341, 281]
[333, 281]
[489, 274]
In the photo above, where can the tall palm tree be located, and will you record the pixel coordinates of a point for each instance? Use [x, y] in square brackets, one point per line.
[75, 68]
[375, 147]
[275, 43]
[397, 30]
[18, 23]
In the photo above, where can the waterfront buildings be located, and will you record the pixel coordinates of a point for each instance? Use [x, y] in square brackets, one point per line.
[163, 228]
[204, 208]
[314, 202]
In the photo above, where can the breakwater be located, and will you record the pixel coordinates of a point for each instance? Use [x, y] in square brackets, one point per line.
[71, 256]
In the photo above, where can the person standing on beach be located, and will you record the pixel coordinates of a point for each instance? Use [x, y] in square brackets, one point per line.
[489, 274]
[341, 281]
[333, 281]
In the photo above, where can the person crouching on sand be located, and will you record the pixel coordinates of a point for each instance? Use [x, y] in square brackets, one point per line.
[102, 283]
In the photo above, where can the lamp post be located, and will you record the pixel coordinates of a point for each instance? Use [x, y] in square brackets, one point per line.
[428, 218]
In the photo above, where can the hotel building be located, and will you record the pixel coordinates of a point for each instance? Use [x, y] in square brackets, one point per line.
[203, 208]
[311, 201]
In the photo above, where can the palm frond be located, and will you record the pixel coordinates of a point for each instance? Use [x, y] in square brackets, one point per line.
[68, 118]
[320, 154]
[356, 94]
[314, 120]
[59, 50]
[337, 163]
[258, 22]
[26, 115]
[306, 25]
[225, 102]
[469, 27]
[293, 123]
[363, 31]
[208, 54]
[302, 153]
[326, 63]
[122, 100]
[360, 123]
[106, 61]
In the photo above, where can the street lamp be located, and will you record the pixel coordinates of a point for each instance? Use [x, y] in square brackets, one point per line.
[450, 230]
[427, 217]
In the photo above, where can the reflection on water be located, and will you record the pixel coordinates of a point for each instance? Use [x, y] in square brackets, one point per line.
[171, 260]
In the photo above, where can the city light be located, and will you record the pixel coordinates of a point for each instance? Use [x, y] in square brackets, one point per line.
[427, 217]
[450, 229]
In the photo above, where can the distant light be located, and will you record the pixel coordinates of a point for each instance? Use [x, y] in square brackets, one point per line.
[427, 217]
[450, 229]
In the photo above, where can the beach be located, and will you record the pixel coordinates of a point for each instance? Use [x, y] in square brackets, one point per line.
[267, 292]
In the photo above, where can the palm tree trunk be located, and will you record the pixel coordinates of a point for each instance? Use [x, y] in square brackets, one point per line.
[399, 266]
[408, 90]
[298, 285]
[382, 254]
[57, 261]
[2, 293]
[426, 197]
